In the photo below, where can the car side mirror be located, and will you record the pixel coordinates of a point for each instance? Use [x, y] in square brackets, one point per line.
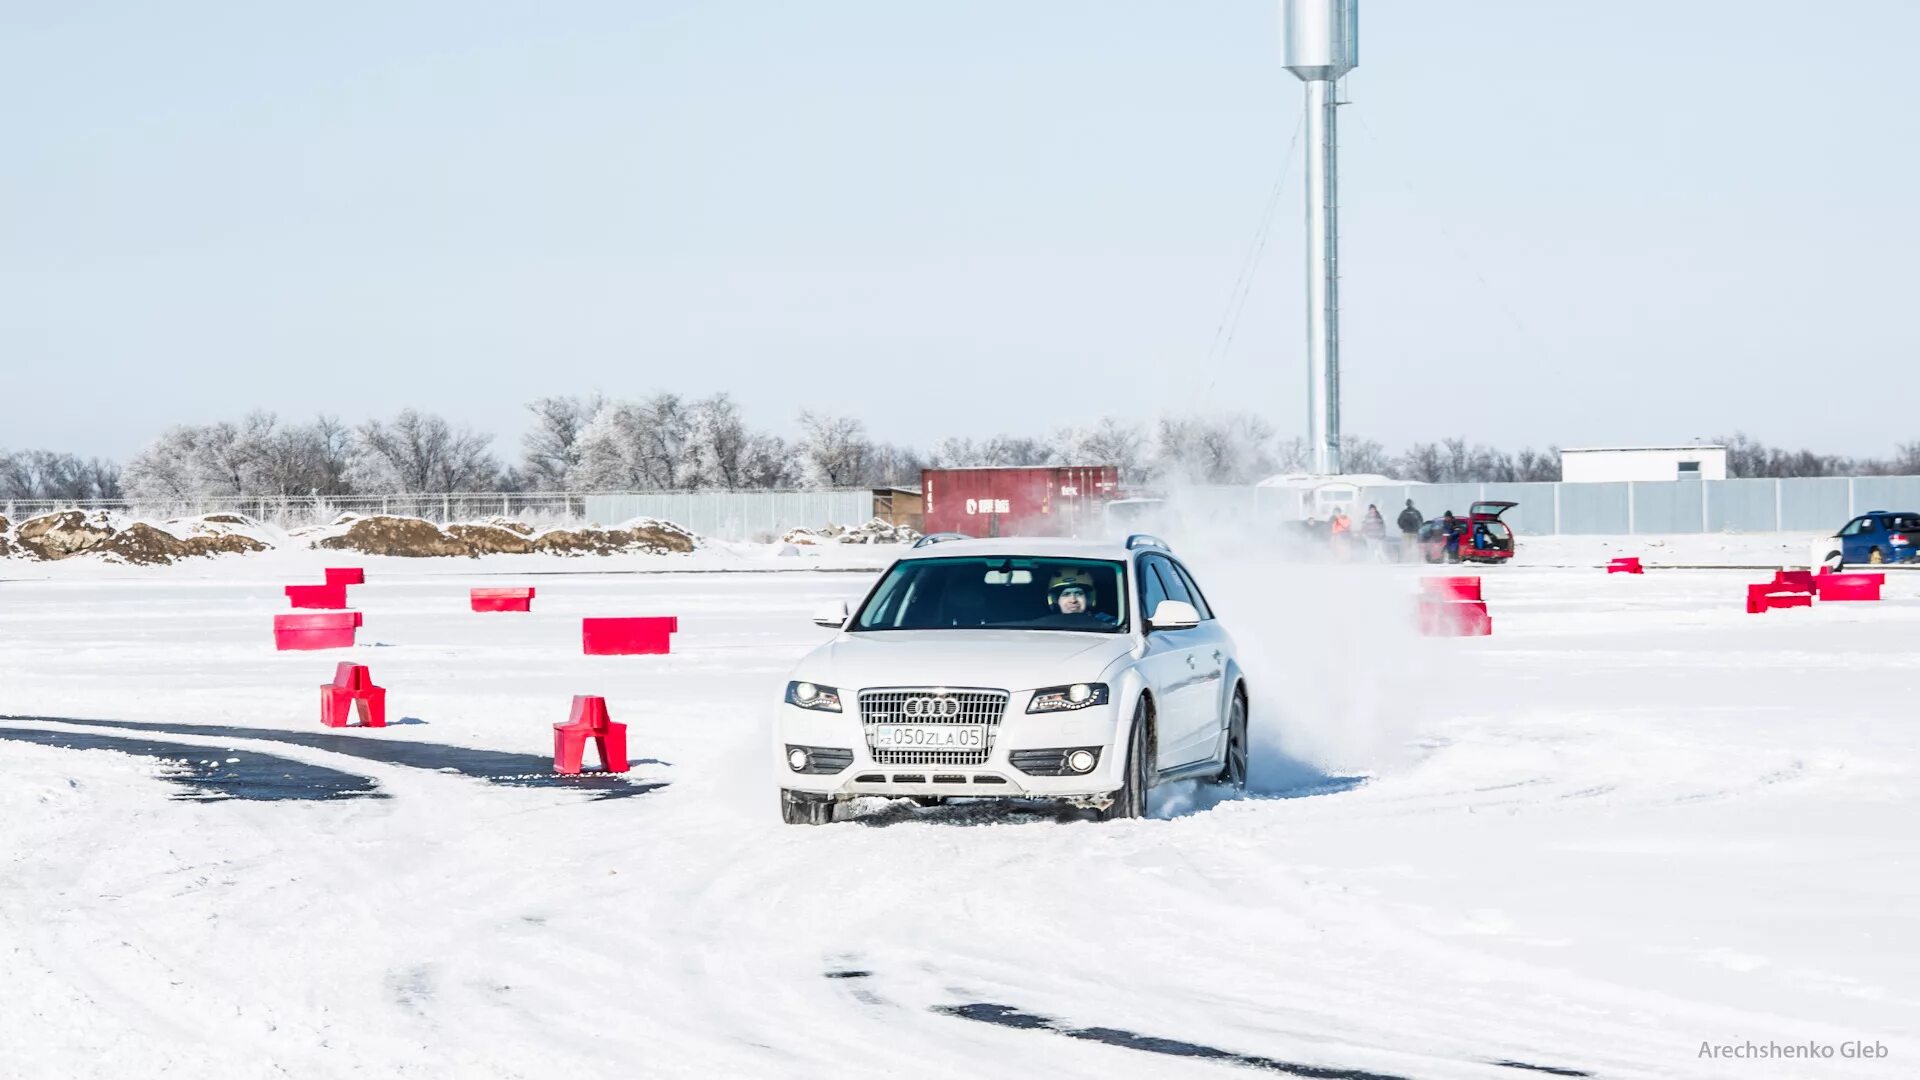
[833, 616]
[1174, 615]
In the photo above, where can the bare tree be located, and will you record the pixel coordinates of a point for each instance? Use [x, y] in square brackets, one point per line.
[1110, 441]
[47, 474]
[722, 445]
[421, 452]
[834, 450]
[1537, 466]
[1423, 462]
[767, 463]
[550, 449]
[890, 465]
[1358, 455]
[1230, 449]
[642, 445]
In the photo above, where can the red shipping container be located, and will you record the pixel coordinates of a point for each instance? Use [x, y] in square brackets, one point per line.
[1035, 501]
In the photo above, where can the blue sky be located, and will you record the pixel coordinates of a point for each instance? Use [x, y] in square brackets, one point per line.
[1562, 222]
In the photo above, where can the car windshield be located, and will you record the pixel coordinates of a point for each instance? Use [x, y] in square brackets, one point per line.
[999, 592]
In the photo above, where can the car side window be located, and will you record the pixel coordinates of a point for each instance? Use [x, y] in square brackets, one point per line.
[1170, 582]
[1852, 528]
[1152, 590]
[1868, 525]
[1198, 601]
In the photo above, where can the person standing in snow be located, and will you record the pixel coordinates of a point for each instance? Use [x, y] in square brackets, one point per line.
[1341, 534]
[1409, 522]
[1450, 528]
[1373, 530]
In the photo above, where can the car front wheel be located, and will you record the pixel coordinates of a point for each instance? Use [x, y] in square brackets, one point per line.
[805, 808]
[1834, 561]
[1131, 800]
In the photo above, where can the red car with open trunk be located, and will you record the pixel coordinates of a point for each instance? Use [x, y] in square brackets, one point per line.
[1483, 537]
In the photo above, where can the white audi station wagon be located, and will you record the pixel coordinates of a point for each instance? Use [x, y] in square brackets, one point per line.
[1017, 668]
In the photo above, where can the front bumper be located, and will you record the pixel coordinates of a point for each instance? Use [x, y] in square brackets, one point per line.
[1016, 744]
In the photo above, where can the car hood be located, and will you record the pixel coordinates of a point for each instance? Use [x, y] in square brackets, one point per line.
[1003, 659]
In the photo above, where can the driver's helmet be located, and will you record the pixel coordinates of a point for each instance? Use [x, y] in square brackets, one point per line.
[1070, 579]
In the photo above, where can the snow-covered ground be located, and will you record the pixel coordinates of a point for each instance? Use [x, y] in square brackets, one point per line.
[1633, 821]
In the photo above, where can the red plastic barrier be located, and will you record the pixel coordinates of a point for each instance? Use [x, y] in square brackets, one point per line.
[333, 630]
[317, 596]
[1455, 588]
[1764, 598]
[627, 637]
[1628, 565]
[1849, 586]
[353, 685]
[1793, 581]
[1440, 617]
[501, 599]
[346, 575]
[589, 721]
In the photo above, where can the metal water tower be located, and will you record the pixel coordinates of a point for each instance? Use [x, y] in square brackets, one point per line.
[1321, 43]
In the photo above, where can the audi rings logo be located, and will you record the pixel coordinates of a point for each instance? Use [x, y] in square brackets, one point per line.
[931, 707]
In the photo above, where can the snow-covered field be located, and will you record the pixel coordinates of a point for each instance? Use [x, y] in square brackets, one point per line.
[1634, 821]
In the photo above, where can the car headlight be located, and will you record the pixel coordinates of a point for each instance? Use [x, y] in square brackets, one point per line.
[813, 696]
[1065, 698]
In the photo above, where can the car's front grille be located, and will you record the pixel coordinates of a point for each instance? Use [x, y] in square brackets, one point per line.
[932, 706]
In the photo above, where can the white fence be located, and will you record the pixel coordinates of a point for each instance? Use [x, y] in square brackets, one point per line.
[725, 515]
[1800, 504]
[1672, 506]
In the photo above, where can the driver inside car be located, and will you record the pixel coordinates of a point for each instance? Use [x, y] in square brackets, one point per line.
[1071, 593]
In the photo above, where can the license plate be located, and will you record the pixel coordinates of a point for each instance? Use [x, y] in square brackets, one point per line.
[928, 737]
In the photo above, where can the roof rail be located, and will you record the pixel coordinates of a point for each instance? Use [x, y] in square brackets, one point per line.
[939, 538]
[1139, 540]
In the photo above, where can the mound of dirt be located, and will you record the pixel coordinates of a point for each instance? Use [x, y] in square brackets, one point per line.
[491, 539]
[636, 537]
[6, 545]
[511, 525]
[229, 519]
[227, 544]
[877, 531]
[416, 538]
[59, 535]
[413, 538]
[74, 532]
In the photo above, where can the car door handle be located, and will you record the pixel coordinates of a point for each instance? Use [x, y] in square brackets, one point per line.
[1216, 656]
[1190, 660]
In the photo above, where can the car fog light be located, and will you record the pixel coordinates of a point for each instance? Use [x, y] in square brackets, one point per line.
[1079, 692]
[1080, 760]
[796, 759]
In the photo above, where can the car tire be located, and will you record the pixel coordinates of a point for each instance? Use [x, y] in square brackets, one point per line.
[1834, 561]
[1131, 800]
[1233, 772]
[805, 808]
[1876, 556]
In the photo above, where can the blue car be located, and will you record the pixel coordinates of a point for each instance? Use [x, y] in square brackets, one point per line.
[1877, 536]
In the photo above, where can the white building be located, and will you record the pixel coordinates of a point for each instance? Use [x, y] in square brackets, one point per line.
[1610, 464]
[1315, 497]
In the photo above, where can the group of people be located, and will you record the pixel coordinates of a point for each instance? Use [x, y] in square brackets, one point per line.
[1373, 532]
